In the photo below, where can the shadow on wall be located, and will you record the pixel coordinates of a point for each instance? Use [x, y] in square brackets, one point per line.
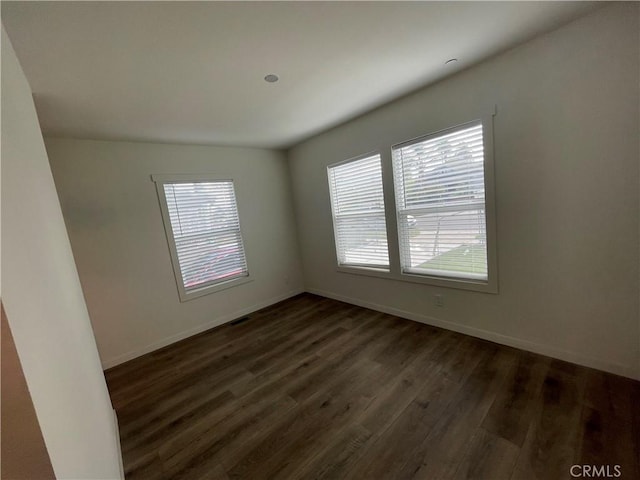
[24, 454]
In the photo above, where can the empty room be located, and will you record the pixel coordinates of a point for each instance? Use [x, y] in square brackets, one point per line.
[320, 240]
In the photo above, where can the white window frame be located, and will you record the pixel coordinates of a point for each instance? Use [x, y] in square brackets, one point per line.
[206, 289]
[358, 268]
[490, 285]
[393, 240]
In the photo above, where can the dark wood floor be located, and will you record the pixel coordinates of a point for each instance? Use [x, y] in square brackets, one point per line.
[315, 388]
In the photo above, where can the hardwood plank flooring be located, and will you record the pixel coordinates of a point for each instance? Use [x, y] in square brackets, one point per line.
[312, 388]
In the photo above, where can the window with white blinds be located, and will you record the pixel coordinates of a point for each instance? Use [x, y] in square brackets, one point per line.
[440, 200]
[357, 202]
[201, 218]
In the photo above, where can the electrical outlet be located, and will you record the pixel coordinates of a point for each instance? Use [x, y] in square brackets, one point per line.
[439, 300]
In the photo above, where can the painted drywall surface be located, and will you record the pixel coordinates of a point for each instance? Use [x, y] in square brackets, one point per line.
[43, 298]
[566, 155]
[113, 217]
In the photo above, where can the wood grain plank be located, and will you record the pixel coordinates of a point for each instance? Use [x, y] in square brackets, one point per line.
[511, 413]
[321, 415]
[395, 446]
[549, 448]
[488, 457]
[606, 443]
[336, 459]
[439, 455]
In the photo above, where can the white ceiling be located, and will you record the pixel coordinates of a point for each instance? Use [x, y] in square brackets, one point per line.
[193, 72]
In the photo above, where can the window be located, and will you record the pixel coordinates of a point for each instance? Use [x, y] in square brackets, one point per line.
[203, 230]
[358, 213]
[440, 199]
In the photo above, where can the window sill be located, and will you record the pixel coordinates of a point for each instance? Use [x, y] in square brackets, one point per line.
[234, 282]
[369, 271]
[459, 284]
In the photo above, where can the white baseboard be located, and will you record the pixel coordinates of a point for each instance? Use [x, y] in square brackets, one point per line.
[599, 364]
[112, 362]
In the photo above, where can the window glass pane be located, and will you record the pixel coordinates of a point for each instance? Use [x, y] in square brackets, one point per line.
[358, 213]
[362, 240]
[439, 183]
[206, 230]
[446, 243]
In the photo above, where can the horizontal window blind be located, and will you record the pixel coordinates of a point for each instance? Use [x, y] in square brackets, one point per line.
[440, 200]
[358, 213]
[206, 230]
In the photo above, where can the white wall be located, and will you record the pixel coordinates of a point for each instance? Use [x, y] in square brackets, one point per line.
[113, 217]
[566, 153]
[43, 299]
